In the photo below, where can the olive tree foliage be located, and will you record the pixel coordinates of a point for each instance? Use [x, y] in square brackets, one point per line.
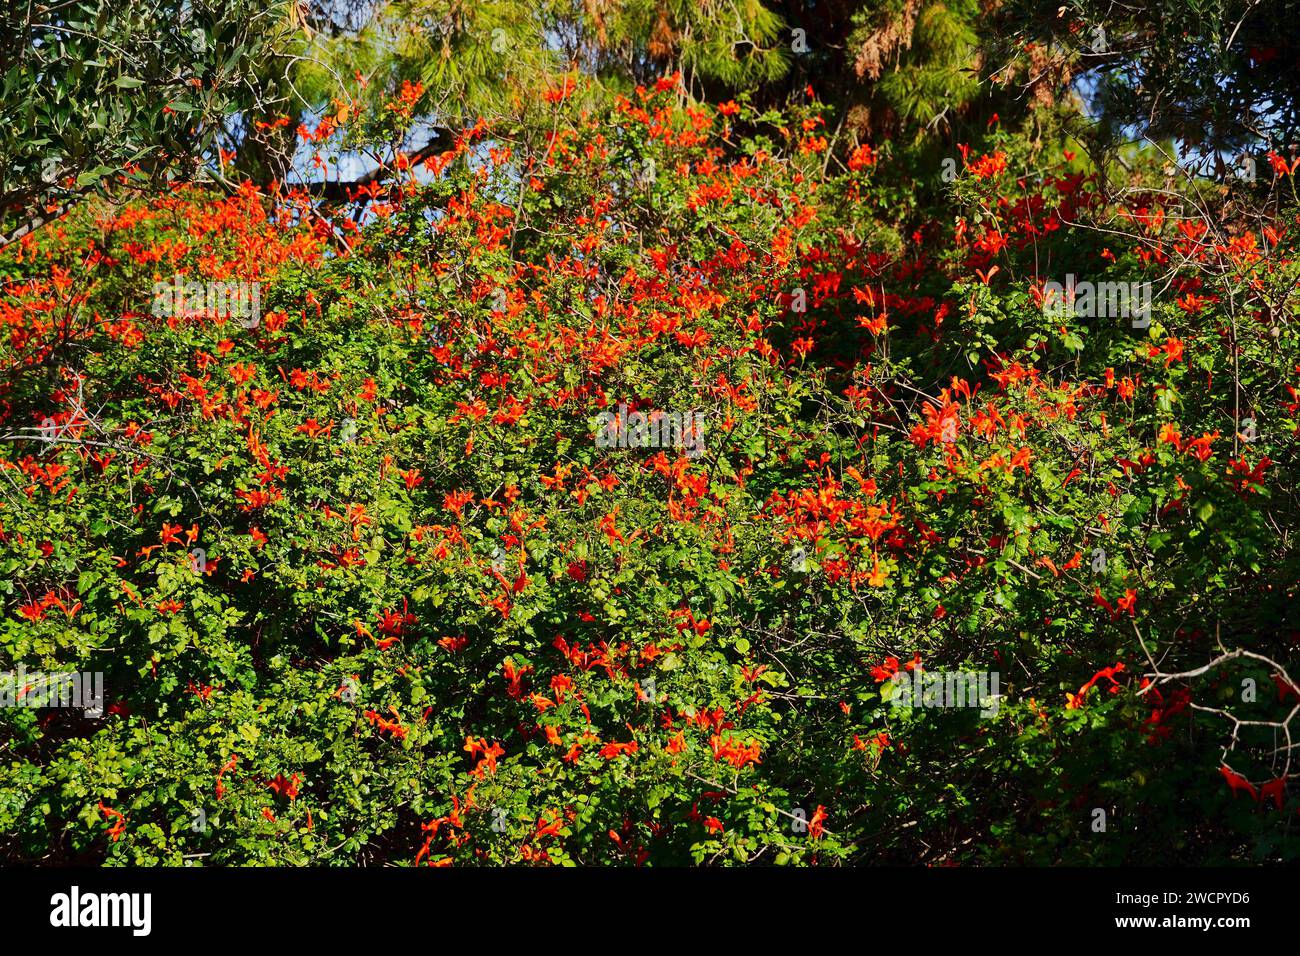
[94, 91]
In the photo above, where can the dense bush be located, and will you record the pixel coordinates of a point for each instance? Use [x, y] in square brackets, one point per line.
[437, 621]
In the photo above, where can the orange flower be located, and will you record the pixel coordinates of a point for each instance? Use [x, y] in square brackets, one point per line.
[862, 157]
[816, 825]
[119, 827]
[879, 574]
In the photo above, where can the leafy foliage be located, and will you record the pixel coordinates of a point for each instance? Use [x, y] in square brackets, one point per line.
[438, 618]
[92, 90]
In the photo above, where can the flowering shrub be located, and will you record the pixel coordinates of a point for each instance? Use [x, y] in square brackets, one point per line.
[366, 586]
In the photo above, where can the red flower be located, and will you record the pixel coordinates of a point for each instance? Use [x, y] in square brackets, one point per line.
[385, 725]
[1237, 782]
[229, 766]
[862, 158]
[885, 671]
[119, 827]
[815, 825]
[1274, 790]
[285, 788]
